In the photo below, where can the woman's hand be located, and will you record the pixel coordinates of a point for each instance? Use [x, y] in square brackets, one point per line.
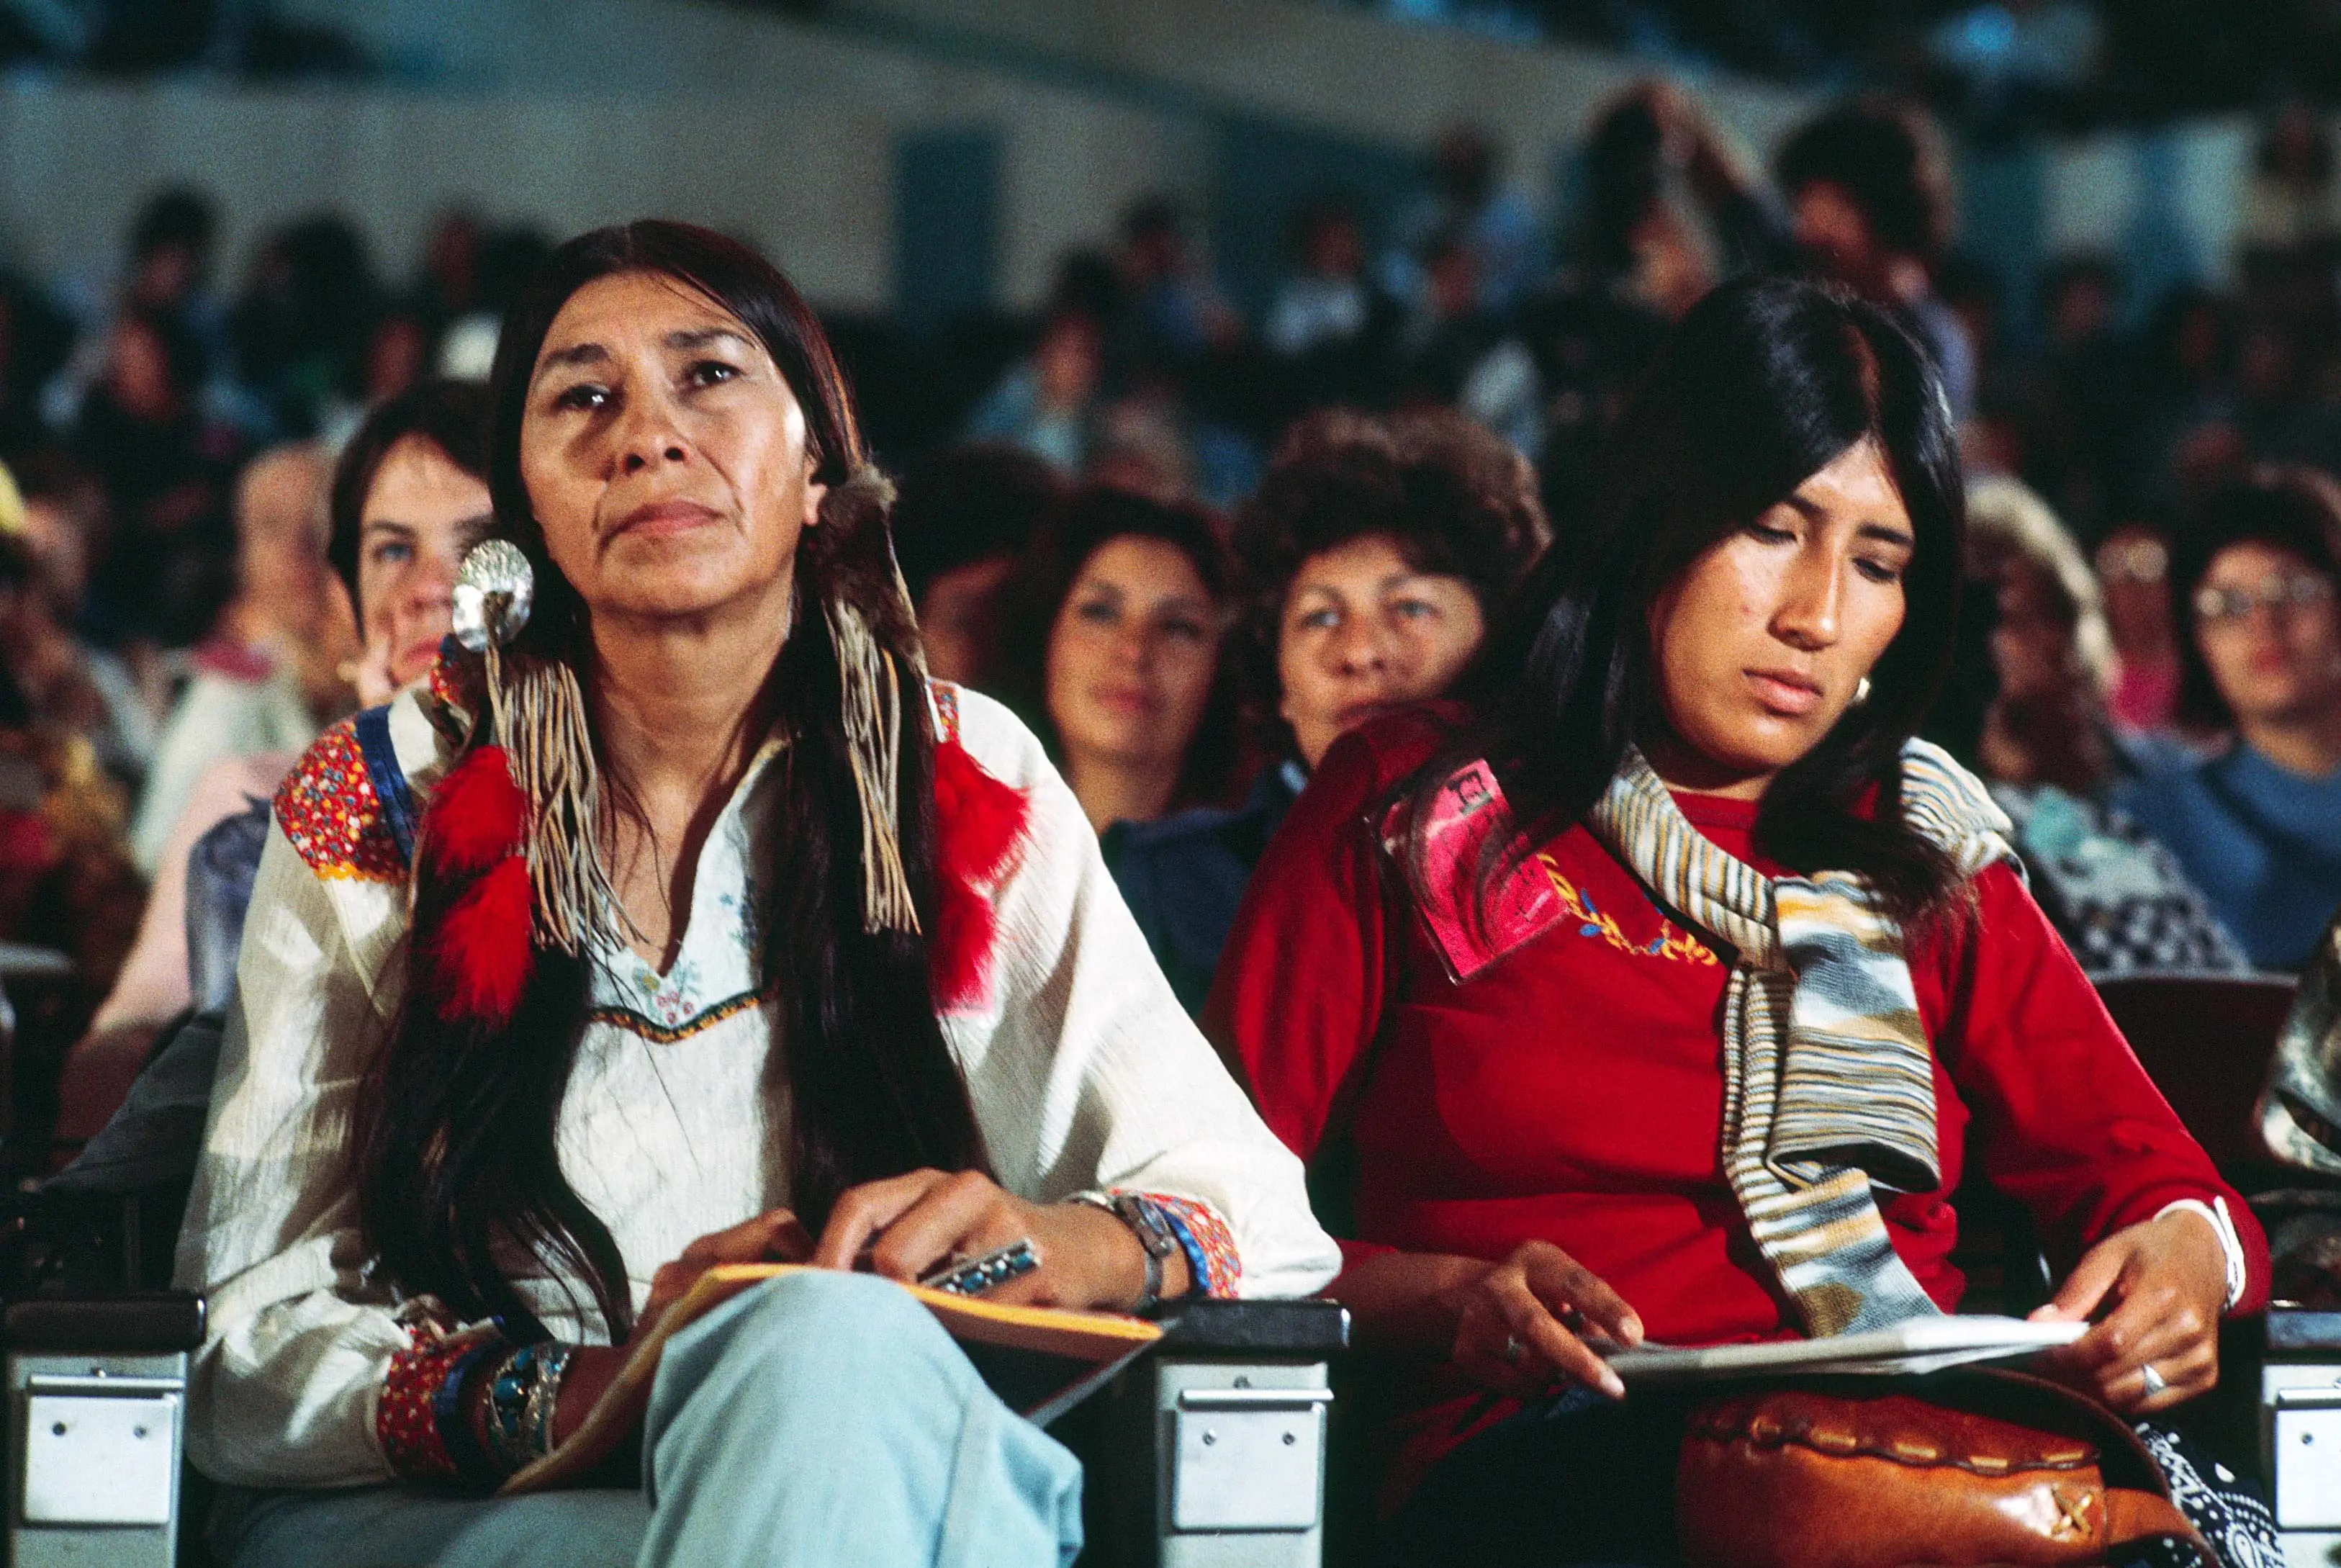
[2165, 1283]
[369, 675]
[1519, 1324]
[908, 1225]
[777, 1236]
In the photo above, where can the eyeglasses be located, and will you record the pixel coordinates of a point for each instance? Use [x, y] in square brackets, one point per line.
[2279, 592]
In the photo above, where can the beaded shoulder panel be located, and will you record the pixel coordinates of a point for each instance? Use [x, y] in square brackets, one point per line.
[331, 816]
[942, 701]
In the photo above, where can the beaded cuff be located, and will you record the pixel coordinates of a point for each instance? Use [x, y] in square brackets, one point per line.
[407, 1422]
[1204, 1237]
[468, 1407]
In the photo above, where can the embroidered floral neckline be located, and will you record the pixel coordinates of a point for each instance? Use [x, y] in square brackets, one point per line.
[718, 970]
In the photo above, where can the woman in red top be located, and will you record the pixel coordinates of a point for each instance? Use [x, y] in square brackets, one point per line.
[1679, 925]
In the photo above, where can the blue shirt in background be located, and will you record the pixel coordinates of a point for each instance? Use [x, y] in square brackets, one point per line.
[1184, 876]
[2262, 843]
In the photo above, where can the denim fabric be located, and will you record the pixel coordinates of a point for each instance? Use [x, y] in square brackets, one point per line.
[816, 1419]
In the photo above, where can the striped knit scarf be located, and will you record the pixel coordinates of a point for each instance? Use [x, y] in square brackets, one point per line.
[1828, 1082]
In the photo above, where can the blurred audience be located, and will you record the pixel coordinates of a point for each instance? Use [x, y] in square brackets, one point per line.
[66, 681]
[479, 272]
[2292, 202]
[1330, 326]
[2133, 563]
[270, 677]
[1450, 329]
[165, 272]
[1669, 205]
[2048, 751]
[1374, 557]
[166, 564]
[409, 496]
[66, 880]
[1048, 404]
[1171, 313]
[1867, 189]
[1470, 208]
[302, 326]
[962, 523]
[2257, 822]
[1122, 611]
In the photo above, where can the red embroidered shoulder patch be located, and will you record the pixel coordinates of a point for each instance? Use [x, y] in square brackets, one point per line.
[328, 810]
[1472, 932]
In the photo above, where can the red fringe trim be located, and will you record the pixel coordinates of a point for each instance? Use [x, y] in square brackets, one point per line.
[978, 823]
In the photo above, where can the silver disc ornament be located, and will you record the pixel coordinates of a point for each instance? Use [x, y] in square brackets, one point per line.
[493, 590]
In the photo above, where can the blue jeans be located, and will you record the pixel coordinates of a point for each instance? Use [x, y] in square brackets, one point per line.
[817, 1419]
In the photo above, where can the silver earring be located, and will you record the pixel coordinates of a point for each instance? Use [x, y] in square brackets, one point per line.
[495, 588]
[1861, 691]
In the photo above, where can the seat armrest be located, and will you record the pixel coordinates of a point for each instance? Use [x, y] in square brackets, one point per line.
[2294, 1329]
[148, 1324]
[97, 1399]
[1308, 1328]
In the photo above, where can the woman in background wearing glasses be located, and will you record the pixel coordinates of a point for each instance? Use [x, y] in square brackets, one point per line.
[2258, 823]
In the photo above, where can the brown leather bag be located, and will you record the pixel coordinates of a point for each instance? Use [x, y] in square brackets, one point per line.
[1985, 1469]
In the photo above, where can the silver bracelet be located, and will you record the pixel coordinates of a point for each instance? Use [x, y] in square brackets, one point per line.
[544, 1395]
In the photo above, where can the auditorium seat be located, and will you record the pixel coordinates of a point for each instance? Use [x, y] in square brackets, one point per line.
[2205, 1041]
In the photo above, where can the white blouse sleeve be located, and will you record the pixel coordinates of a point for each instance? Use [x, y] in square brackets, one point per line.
[1085, 1071]
[296, 1349]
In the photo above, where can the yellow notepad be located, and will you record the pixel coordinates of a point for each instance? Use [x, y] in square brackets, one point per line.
[1040, 1360]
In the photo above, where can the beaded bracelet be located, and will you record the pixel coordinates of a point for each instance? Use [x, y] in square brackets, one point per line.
[1212, 1260]
[1212, 1265]
[453, 1412]
[544, 1395]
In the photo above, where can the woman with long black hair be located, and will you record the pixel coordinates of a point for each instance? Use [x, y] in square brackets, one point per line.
[685, 924]
[1663, 991]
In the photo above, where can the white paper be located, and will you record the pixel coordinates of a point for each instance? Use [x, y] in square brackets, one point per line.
[1906, 1349]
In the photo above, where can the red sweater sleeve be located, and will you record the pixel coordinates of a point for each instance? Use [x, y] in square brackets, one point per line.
[1298, 996]
[2067, 1121]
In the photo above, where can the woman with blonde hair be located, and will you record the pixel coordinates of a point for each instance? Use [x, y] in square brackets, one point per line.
[2049, 752]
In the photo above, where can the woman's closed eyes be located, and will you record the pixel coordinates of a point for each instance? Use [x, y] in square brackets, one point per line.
[1878, 569]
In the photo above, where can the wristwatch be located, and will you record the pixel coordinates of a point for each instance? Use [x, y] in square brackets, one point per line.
[1155, 1238]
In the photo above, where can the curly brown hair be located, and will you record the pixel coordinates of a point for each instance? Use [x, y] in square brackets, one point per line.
[1455, 500]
